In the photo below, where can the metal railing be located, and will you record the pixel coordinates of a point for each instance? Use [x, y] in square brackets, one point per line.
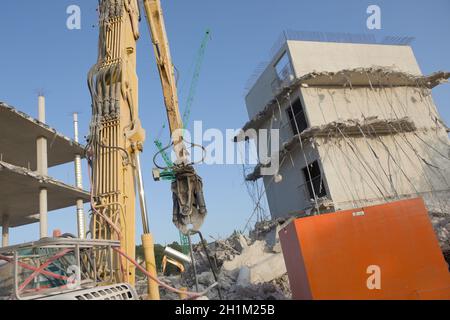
[284, 79]
[55, 266]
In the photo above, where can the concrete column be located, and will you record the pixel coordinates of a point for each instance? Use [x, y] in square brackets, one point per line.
[42, 161]
[42, 169]
[5, 231]
[41, 108]
[43, 213]
[79, 183]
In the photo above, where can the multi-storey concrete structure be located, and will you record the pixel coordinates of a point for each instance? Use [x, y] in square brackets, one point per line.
[358, 126]
[28, 147]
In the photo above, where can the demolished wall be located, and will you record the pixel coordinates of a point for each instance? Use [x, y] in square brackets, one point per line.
[353, 127]
[377, 135]
[364, 78]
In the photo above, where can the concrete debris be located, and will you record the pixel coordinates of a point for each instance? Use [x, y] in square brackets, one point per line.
[240, 243]
[263, 266]
[267, 231]
[244, 277]
[249, 267]
[324, 203]
[374, 77]
[441, 225]
[174, 281]
[368, 127]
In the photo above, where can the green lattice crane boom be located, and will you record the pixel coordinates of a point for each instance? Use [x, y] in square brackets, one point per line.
[196, 77]
[168, 174]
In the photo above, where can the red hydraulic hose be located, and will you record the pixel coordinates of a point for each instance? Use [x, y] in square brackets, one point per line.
[98, 212]
[193, 295]
[42, 267]
[30, 267]
[116, 229]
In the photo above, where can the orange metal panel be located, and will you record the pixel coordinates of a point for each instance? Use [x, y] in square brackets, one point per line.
[329, 256]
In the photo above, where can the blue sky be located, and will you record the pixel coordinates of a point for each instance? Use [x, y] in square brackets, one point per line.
[38, 52]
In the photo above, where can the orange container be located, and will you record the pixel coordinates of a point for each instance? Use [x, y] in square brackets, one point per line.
[388, 251]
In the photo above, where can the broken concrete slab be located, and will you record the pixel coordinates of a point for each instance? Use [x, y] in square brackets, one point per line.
[206, 279]
[249, 257]
[262, 266]
[19, 199]
[240, 243]
[18, 134]
[244, 277]
[278, 289]
[368, 127]
[441, 225]
[374, 77]
[360, 127]
[269, 269]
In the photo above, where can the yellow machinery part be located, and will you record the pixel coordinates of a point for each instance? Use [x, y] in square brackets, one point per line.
[150, 265]
[114, 87]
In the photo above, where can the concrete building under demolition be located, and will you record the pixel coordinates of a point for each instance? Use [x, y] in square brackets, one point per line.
[28, 147]
[358, 127]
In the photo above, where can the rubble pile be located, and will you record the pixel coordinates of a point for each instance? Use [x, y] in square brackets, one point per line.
[441, 225]
[248, 268]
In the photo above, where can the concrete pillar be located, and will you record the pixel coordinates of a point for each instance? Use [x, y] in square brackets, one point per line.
[41, 108]
[43, 213]
[5, 231]
[79, 183]
[42, 169]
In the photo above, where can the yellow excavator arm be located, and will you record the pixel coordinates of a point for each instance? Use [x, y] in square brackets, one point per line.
[116, 140]
[155, 21]
[189, 209]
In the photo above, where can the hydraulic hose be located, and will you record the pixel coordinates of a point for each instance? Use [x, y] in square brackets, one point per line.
[192, 295]
[32, 268]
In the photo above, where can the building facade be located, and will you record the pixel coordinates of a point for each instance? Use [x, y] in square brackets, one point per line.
[357, 126]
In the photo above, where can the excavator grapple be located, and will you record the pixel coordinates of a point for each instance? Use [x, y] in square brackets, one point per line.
[189, 208]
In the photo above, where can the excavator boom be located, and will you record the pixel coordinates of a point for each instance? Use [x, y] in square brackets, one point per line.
[116, 136]
[189, 209]
[116, 139]
[155, 21]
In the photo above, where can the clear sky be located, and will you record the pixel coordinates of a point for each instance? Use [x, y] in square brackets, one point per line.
[38, 52]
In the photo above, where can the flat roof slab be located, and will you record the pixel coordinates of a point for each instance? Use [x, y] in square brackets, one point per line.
[18, 135]
[19, 195]
[375, 77]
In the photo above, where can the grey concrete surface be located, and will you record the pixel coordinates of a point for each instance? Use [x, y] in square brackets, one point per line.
[19, 196]
[18, 135]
